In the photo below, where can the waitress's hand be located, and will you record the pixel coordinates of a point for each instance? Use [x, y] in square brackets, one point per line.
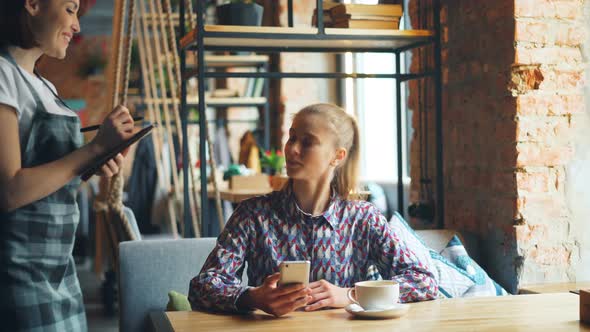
[112, 167]
[276, 300]
[117, 127]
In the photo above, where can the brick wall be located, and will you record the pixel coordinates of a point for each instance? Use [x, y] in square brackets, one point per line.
[513, 105]
[547, 83]
[578, 172]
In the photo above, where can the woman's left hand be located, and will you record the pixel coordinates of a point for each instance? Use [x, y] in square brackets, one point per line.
[325, 294]
[112, 167]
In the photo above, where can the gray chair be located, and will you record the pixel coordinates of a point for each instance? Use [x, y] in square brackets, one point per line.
[149, 269]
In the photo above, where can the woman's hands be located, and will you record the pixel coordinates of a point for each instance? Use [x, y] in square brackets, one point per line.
[112, 167]
[325, 294]
[278, 301]
[275, 300]
[117, 127]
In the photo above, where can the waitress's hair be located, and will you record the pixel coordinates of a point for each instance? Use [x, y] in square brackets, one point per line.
[15, 25]
[347, 136]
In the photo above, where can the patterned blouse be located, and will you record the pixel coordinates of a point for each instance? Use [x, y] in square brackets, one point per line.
[341, 244]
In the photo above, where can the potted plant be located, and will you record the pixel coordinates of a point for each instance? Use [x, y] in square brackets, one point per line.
[275, 161]
[240, 12]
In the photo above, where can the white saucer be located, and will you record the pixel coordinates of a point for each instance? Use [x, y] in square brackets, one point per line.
[397, 310]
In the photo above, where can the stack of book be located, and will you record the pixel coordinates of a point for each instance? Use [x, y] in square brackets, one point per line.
[254, 87]
[355, 16]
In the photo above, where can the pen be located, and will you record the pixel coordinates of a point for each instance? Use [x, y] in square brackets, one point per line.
[95, 127]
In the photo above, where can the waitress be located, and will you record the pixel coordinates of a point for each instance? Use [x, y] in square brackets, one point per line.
[41, 158]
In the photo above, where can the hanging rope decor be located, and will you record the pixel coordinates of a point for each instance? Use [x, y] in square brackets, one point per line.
[158, 20]
[116, 190]
[110, 215]
[160, 70]
[156, 80]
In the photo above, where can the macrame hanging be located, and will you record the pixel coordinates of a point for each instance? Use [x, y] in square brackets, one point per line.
[159, 50]
[159, 64]
[110, 216]
[157, 82]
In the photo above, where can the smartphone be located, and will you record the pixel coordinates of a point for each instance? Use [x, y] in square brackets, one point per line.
[294, 272]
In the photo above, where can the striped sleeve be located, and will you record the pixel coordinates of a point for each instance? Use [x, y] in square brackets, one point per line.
[396, 261]
[218, 285]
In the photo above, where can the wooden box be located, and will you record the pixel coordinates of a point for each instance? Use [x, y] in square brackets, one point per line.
[249, 182]
[585, 306]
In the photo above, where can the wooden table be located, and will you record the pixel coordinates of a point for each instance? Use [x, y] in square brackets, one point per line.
[547, 312]
[237, 195]
[563, 287]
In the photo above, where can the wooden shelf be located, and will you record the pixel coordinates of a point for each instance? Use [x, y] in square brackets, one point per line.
[224, 61]
[231, 101]
[238, 195]
[306, 38]
[235, 195]
[213, 102]
[235, 60]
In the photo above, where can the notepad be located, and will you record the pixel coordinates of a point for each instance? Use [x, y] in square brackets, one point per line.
[96, 165]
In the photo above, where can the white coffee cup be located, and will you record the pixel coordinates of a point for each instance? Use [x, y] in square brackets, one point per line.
[375, 295]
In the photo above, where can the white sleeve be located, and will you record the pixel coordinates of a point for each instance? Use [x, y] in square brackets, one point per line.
[8, 89]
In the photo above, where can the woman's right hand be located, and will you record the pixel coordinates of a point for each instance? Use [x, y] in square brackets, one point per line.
[116, 128]
[277, 300]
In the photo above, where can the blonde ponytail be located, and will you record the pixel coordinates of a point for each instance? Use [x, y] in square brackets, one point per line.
[345, 179]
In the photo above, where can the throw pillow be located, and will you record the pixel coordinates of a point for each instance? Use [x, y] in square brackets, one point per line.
[177, 302]
[451, 281]
[456, 273]
[483, 285]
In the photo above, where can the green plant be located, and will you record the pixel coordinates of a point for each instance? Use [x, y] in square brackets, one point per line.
[275, 160]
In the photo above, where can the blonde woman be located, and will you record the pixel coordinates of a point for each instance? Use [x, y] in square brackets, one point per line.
[313, 219]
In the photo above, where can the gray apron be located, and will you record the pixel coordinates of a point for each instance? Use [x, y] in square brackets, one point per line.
[39, 289]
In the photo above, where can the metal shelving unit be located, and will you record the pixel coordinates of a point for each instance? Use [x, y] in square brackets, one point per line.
[216, 101]
[320, 40]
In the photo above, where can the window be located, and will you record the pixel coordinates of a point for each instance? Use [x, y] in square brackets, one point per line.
[373, 102]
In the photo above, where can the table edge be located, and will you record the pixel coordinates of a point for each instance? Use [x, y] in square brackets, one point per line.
[160, 322]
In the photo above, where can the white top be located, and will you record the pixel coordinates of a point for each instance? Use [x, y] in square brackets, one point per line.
[15, 93]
